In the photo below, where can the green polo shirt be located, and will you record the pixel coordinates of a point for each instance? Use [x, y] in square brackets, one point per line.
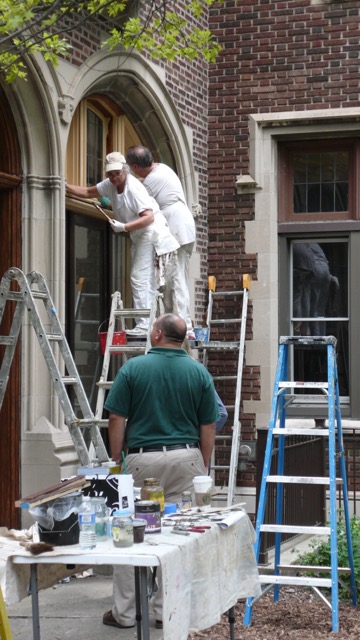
[165, 395]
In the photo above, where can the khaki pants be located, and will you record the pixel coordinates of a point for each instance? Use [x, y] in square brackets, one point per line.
[175, 470]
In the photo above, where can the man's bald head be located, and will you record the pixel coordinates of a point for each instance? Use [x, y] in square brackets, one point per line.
[168, 329]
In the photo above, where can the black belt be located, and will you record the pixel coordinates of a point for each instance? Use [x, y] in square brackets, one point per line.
[170, 447]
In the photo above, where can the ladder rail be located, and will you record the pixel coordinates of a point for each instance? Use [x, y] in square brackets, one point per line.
[48, 337]
[335, 451]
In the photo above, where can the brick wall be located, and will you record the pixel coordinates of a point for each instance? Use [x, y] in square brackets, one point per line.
[277, 56]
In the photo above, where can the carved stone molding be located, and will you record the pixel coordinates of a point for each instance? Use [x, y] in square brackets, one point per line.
[65, 108]
[196, 209]
[246, 184]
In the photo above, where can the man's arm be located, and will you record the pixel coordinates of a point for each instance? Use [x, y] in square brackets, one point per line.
[207, 441]
[116, 435]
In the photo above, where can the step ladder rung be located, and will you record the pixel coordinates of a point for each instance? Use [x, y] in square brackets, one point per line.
[290, 528]
[220, 467]
[308, 567]
[121, 348]
[228, 293]
[295, 580]
[54, 337]
[105, 384]
[220, 346]
[293, 431]
[69, 380]
[301, 480]
[131, 313]
[7, 340]
[40, 295]
[220, 321]
[290, 384]
[224, 377]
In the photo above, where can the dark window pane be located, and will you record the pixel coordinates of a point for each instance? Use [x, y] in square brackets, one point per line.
[342, 166]
[327, 197]
[313, 204]
[313, 167]
[299, 198]
[321, 182]
[341, 196]
[320, 305]
[94, 171]
[299, 163]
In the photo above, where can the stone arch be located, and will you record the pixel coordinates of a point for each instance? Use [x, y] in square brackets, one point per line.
[137, 86]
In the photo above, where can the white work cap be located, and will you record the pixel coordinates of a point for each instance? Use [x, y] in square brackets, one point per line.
[114, 161]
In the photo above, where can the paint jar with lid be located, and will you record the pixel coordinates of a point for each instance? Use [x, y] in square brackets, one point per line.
[152, 490]
[122, 528]
[186, 500]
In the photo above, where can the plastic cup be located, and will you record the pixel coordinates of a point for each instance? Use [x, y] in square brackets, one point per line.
[139, 529]
[202, 490]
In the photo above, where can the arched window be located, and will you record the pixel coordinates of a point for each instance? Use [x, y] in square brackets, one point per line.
[98, 261]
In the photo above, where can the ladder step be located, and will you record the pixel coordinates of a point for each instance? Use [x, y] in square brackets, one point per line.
[131, 313]
[220, 346]
[302, 480]
[228, 293]
[291, 384]
[121, 348]
[40, 295]
[297, 580]
[7, 340]
[53, 337]
[225, 321]
[288, 528]
[303, 567]
[290, 431]
[68, 380]
[105, 384]
[224, 377]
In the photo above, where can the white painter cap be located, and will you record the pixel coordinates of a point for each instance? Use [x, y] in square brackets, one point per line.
[114, 161]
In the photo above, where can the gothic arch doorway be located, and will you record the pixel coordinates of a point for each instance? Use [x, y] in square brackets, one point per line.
[10, 255]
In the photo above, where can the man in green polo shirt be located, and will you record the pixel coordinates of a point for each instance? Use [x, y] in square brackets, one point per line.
[168, 400]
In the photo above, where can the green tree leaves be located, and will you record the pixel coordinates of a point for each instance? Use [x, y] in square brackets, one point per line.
[160, 30]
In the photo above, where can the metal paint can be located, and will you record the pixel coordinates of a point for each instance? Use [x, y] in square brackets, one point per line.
[149, 510]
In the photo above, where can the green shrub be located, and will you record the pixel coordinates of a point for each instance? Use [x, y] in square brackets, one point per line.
[320, 554]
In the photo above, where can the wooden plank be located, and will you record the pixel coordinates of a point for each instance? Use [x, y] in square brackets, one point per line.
[56, 491]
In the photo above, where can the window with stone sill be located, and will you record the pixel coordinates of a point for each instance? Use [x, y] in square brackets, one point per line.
[318, 181]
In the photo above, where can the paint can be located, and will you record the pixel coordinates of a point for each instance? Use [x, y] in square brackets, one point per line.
[149, 510]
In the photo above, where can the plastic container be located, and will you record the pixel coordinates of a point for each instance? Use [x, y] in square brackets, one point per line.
[122, 528]
[58, 519]
[152, 490]
[87, 524]
[99, 503]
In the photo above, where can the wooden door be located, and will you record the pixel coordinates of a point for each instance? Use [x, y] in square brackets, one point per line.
[10, 255]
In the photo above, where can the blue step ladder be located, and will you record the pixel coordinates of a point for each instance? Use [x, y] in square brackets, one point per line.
[285, 393]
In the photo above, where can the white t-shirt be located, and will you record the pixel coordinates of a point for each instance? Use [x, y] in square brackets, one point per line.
[127, 207]
[163, 184]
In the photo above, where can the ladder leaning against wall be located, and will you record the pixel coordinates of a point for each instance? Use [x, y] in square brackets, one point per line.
[226, 324]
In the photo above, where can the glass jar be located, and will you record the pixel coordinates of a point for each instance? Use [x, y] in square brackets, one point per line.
[122, 528]
[152, 490]
[186, 500]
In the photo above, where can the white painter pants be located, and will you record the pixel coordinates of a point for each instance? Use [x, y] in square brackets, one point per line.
[172, 279]
[142, 277]
[175, 470]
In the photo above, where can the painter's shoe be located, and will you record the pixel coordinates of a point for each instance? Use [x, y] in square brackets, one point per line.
[137, 332]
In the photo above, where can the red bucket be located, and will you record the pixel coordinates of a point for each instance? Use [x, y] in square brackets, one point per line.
[119, 337]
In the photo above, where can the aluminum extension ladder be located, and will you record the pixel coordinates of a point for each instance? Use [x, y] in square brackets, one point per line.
[5, 630]
[117, 320]
[285, 392]
[32, 291]
[225, 346]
